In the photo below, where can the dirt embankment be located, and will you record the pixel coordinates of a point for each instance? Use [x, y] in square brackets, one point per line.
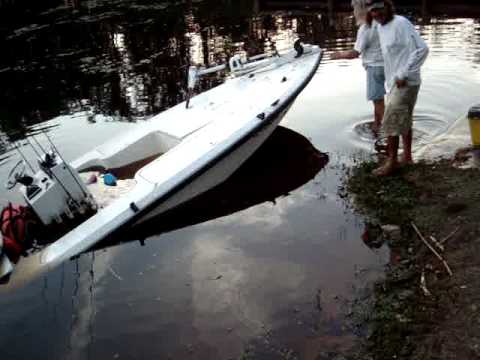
[420, 311]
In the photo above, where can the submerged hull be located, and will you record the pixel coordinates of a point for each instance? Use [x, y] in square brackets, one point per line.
[216, 139]
[215, 173]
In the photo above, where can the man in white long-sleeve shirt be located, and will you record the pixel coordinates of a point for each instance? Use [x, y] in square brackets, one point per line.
[404, 52]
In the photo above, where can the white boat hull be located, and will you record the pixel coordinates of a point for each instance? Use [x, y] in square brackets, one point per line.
[220, 131]
[217, 173]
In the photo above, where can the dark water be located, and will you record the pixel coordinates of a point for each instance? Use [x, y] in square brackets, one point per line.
[246, 265]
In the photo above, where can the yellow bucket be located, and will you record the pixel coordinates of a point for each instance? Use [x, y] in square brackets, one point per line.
[474, 119]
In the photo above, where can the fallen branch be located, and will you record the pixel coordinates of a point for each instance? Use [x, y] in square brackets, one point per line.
[437, 244]
[449, 236]
[118, 277]
[432, 250]
[423, 285]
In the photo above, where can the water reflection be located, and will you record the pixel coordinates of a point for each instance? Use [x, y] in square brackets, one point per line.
[97, 67]
[261, 179]
[128, 60]
[100, 61]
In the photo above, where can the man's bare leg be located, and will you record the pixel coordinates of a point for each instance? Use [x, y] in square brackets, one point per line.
[378, 111]
[407, 148]
[392, 161]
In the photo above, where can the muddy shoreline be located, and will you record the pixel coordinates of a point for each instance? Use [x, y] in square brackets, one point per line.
[419, 310]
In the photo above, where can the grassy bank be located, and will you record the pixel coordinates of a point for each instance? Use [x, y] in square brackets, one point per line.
[420, 311]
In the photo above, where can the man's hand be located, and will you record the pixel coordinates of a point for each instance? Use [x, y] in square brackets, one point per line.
[339, 55]
[348, 54]
[335, 55]
[401, 83]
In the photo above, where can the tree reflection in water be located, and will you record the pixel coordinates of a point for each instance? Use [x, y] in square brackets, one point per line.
[127, 59]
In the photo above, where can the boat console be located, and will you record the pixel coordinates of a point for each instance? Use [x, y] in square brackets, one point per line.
[56, 191]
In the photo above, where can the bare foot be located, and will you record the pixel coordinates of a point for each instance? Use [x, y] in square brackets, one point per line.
[406, 161]
[387, 169]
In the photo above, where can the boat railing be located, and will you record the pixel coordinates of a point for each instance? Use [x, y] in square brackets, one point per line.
[237, 66]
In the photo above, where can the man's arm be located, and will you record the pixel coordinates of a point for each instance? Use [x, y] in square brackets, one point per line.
[349, 54]
[416, 58]
[358, 48]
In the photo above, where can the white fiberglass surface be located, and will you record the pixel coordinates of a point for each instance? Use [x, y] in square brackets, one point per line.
[237, 101]
[179, 162]
[128, 148]
[242, 96]
[97, 227]
[238, 121]
[151, 144]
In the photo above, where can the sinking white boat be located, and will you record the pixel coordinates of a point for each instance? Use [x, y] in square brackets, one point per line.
[193, 147]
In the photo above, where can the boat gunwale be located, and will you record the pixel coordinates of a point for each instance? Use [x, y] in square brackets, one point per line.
[259, 124]
[288, 100]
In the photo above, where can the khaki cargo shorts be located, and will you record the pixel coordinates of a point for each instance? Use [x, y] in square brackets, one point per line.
[398, 118]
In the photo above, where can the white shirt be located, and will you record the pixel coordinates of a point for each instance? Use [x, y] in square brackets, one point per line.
[404, 51]
[368, 45]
